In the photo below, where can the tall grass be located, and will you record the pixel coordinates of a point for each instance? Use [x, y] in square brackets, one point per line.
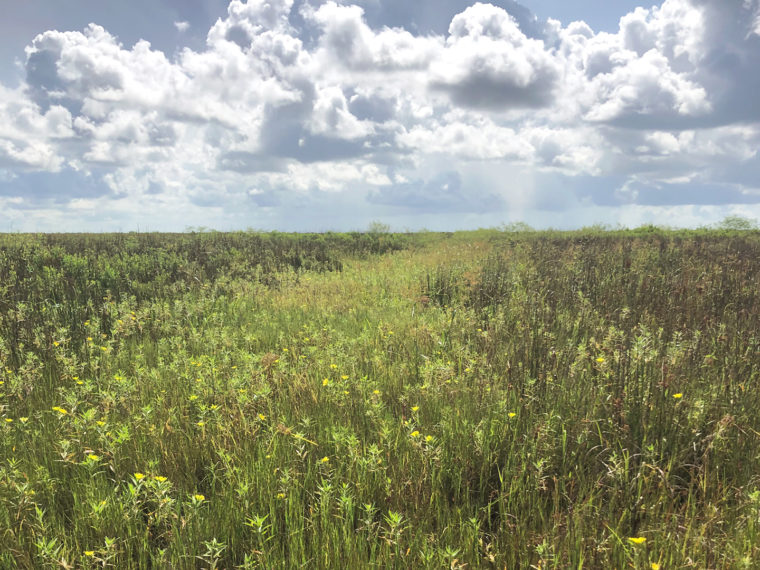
[525, 400]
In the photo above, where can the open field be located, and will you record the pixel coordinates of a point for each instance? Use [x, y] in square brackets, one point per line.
[484, 399]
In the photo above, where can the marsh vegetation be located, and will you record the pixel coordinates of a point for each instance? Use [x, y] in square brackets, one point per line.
[485, 399]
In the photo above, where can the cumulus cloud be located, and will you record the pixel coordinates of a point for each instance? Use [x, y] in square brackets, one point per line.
[347, 39]
[289, 99]
[643, 90]
[28, 137]
[684, 64]
[479, 140]
[490, 63]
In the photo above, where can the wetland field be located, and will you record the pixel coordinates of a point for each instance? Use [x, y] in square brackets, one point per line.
[485, 399]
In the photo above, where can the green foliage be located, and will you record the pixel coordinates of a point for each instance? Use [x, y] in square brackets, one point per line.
[517, 227]
[378, 227]
[489, 399]
[737, 223]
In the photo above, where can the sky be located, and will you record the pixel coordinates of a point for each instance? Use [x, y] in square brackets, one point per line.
[316, 115]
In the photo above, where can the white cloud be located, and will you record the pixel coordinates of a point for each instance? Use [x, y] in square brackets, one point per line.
[348, 40]
[331, 116]
[477, 140]
[246, 20]
[490, 64]
[570, 150]
[645, 86]
[182, 26]
[28, 137]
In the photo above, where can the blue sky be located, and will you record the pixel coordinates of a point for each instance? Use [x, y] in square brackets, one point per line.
[324, 115]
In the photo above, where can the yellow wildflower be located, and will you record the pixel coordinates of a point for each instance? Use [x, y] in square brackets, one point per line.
[198, 497]
[159, 478]
[655, 566]
[139, 476]
[678, 396]
[600, 360]
[415, 408]
[325, 459]
[415, 433]
[637, 539]
[93, 457]
[89, 553]
[511, 414]
[325, 382]
[262, 417]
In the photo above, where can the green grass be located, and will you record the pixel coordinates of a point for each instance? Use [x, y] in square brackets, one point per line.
[488, 400]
